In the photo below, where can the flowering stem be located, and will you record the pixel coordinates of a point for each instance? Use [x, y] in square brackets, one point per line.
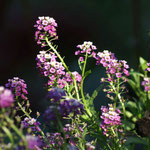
[82, 81]
[61, 59]
[27, 114]
[17, 131]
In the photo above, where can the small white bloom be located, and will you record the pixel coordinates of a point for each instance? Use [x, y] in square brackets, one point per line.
[48, 56]
[42, 52]
[1, 88]
[41, 18]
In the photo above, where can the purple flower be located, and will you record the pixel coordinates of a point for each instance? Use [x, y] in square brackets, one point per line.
[33, 142]
[110, 120]
[86, 47]
[46, 27]
[18, 87]
[6, 97]
[52, 113]
[55, 94]
[146, 84]
[31, 123]
[71, 106]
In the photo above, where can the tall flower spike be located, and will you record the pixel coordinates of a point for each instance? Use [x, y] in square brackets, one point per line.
[86, 47]
[45, 27]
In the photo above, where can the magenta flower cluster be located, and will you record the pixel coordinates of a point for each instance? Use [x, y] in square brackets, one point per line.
[34, 143]
[113, 67]
[6, 97]
[46, 27]
[54, 70]
[18, 87]
[148, 67]
[32, 123]
[146, 84]
[110, 120]
[86, 47]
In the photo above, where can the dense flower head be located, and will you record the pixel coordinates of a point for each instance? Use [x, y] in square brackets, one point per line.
[86, 47]
[32, 123]
[55, 94]
[50, 67]
[18, 87]
[56, 140]
[63, 109]
[115, 68]
[146, 84]
[6, 97]
[71, 106]
[55, 71]
[52, 113]
[110, 120]
[34, 143]
[45, 27]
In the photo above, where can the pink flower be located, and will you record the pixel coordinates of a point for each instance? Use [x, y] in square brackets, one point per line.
[6, 97]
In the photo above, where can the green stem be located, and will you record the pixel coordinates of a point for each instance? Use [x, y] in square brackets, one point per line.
[61, 59]
[148, 143]
[82, 81]
[10, 136]
[17, 131]
[27, 114]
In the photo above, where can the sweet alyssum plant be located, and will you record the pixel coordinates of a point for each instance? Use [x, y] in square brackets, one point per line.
[70, 119]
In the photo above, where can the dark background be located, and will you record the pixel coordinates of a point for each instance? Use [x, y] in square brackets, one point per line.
[120, 26]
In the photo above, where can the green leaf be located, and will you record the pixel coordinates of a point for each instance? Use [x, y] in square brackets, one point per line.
[136, 140]
[80, 65]
[143, 64]
[8, 133]
[96, 91]
[87, 73]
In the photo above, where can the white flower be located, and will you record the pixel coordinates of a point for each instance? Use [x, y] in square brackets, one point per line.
[41, 18]
[1, 88]
[48, 56]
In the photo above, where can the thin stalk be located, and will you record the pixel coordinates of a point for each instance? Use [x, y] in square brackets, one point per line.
[61, 59]
[148, 143]
[10, 136]
[17, 131]
[27, 114]
[82, 81]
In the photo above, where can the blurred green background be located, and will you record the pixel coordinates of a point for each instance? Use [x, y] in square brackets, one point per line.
[120, 26]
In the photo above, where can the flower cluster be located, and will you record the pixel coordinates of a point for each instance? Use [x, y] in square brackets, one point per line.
[55, 94]
[68, 79]
[32, 123]
[113, 67]
[46, 27]
[71, 106]
[64, 109]
[50, 67]
[18, 87]
[56, 140]
[111, 122]
[146, 84]
[52, 113]
[86, 47]
[148, 68]
[6, 97]
[33, 142]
